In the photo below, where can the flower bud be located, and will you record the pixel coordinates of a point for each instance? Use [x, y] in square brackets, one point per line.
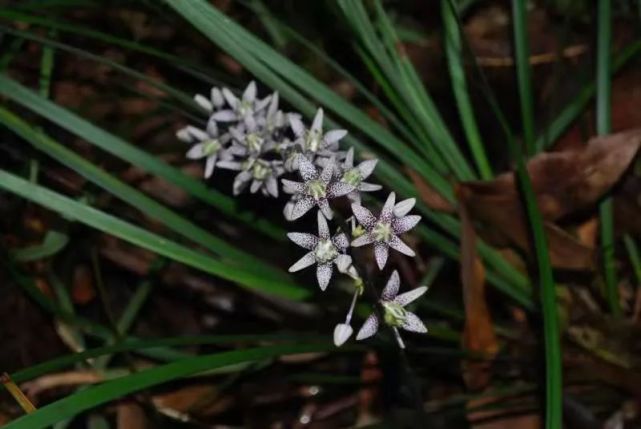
[342, 332]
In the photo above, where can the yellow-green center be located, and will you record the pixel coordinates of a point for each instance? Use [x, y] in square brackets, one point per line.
[210, 147]
[260, 171]
[317, 189]
[325, 251]
[394, 313]
[313, 140]
[382, 232]
[352, 177]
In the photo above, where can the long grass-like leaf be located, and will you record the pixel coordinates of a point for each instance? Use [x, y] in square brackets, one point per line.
[120, 387]
[104, 222]
[141, 159]
[226, 252]
[523, 71]
[604, 126]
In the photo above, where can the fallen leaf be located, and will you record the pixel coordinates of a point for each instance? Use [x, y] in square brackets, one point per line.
[478, 333]
[131, 416]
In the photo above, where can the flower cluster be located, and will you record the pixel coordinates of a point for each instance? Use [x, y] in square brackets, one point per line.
[255, 138]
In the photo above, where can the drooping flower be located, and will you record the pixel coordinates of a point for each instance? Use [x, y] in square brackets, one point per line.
[394, 312]
[316, 188]
[324, 250]
[384, 230]
[355, 176]
[207, 144]
[240, 109]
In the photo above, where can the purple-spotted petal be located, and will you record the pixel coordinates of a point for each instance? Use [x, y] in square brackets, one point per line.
[291, 187]
[391, 288]
[381, 251]
[323, 205]
[307, 169]
[364, 216]
[341, 241]
[302, 206]
[324, 275]
[328, 170]
[410, 296]
[323, 228]
[397, 244]
[413, 324]
[388, 208]
[363, 240]
[369, 328]
[404, 224]
[338, 189]
[367, 167]
[304, 240]
[303, 262]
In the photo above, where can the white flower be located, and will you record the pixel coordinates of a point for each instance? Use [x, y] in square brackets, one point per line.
[262, 175]
[355, 176]
[312, 139]
[316, 189]
[323, 251]
[208, 145]
[240, 109]
[384, 230]
[394, 312]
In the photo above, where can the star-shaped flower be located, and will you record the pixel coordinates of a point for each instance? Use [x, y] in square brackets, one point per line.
[261, 173]
[355, 176]
[208, 145]
[394, 312]
[324, 251]
[240, 108]
[316, 188]
[312, 139]
[384, 230]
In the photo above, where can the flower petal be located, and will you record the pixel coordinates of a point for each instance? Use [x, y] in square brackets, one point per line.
[271, 184]
[224, 116]
[388, 208]
[404, 224]
[240, 182]
[338, 189]
[369, 187]
[343, 262]
[367, 167]
[217, 97]
[341, 241]
[323, 228]
[250, 92]
[328, 170]
[364, 216]
[303, 239]
[297, 125]
[230, 165]
[369, 328]
[232, 100]
[349, 159]
[197, 133]
[203, 102]
[363, 240]
[196, 151]
[410, 296]
[291, 187]
[334, 135]
[413, 324]
[391, 288]
[381, 251]
[404, 207]
[306, 169]
[302, 206]
[212, 128]
[303, 262]
[317, 124]
[342, 332]
[255, 186]
[209, 166]
[397, 244]
[323, 205]
[324, 275]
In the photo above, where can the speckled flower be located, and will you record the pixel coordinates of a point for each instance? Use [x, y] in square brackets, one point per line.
[208, 145]
[312, 139]
[384, 230]
[240, 109]
[355, 176]
[324, 250]
[258, 174]
[316, 189]
[394, 312]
